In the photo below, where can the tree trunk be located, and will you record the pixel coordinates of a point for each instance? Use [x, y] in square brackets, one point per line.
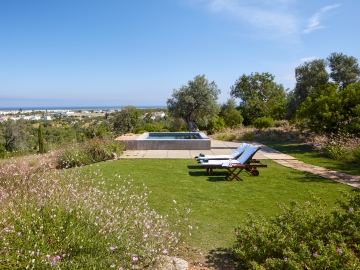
[192, 127]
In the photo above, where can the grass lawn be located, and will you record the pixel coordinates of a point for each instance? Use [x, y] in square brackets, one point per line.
[307, 154]
[217, 206]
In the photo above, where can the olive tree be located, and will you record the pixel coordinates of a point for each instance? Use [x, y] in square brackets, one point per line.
[195, 102]
[127, 120]
[260, 96]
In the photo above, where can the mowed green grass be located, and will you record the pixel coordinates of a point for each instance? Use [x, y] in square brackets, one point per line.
[307, 154]
[217, 206]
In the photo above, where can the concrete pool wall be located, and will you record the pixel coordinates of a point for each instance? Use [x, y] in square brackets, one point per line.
[169, 141]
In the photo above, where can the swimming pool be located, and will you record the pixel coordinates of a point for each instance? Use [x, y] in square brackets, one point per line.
[170, 141]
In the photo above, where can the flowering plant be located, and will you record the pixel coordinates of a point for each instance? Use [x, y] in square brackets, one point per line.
[303, 236]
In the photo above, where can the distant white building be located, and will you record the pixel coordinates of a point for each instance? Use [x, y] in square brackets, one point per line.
[159, 114]
[85, 112]
[35, 117]
[47, 117]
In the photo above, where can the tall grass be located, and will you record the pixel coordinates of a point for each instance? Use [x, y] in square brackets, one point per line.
[67, 220]
[91, 151]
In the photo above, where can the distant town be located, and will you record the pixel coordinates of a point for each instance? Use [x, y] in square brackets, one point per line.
[34, 115]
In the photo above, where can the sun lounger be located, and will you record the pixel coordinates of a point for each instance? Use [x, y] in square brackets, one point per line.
[234, 155]
[235, 167]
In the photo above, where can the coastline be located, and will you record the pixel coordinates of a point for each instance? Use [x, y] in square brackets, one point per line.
[67, 108]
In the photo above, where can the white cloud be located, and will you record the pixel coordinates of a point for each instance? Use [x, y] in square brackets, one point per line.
[307, 59]
[267, 15]
[314, 21]
[269, 18]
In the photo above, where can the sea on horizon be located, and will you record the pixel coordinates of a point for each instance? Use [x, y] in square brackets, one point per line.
[75, 108]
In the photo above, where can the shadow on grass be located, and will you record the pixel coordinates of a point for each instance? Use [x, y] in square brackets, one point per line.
[220, 259]
[218, 179]
[191, 167]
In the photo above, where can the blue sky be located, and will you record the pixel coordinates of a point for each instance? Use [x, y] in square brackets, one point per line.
[118, 53]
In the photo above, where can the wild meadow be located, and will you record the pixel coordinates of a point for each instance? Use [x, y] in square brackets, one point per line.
[65, 219]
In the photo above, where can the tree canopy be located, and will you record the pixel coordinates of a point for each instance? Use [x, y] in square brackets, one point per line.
[329, 109]
[195, 102]
[230, 114]
[127, 120]
[344, 70]
[260, 96]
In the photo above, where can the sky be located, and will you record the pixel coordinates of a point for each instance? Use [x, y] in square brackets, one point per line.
[136, 52]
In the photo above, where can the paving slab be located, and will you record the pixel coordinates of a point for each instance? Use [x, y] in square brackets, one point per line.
[156, 153]
[179, 154]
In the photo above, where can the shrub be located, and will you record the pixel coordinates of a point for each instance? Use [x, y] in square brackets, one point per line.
[100, 150]
[215, 125]
[281, 123]
[152, 127]
[270, 135]
[90, 151]
[356, 154]
[248, 136]
[73, 156]
[264, 122]
[66, 220]
[337, 152]
[221, 137]
[339, 146]
[302, 236]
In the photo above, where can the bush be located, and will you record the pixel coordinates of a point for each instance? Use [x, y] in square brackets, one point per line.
[337, 152]
[66, 220]
[152, 128]
[90, 151]
[73, 156]
[281, 123]
[356, 154]
[302, 236]
[215, 125]
[248, 136]
[100, 150]
[264, 122]
[339, 146]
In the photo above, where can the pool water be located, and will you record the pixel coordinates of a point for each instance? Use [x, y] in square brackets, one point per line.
[174, 136]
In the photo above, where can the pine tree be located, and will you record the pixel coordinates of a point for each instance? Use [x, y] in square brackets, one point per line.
[41, 140]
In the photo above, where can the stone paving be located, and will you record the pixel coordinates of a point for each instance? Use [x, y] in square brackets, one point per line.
[225, 147]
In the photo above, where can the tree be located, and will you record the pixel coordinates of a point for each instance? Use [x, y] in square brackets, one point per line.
[308, 76]
[329, 109]
[260, 96]
[230, 114]
[344, 69]
[195, 103]
[127, 120]
[15, 135]
[41, 140]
